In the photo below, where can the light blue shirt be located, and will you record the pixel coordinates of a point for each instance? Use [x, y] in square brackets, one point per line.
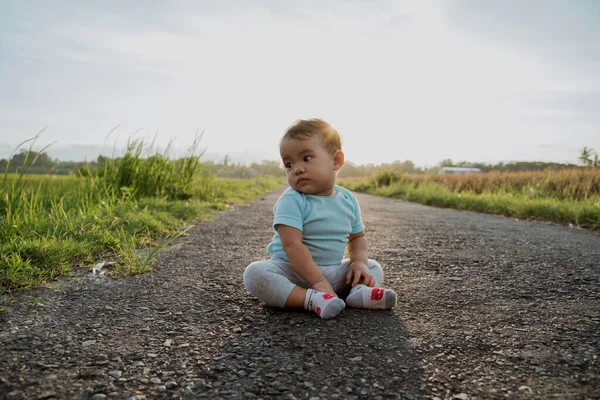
[325, 223]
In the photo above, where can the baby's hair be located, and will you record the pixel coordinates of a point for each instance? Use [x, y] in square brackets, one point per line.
[303, 129]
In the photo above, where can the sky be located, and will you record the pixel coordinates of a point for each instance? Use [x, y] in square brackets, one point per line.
[477, 80]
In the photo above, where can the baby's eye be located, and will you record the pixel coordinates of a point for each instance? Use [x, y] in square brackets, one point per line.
[287, 165]
[307, 158]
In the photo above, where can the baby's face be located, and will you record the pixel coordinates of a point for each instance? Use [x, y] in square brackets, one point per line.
[310, 168]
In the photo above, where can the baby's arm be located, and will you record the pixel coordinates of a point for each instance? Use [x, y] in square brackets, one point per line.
[301, 259]
[357, 249]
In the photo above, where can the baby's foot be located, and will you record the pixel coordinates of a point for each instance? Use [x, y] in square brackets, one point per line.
[362, 296]
[324, 304]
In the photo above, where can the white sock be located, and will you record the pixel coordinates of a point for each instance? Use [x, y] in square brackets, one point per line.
[362, 296]
[324, 304]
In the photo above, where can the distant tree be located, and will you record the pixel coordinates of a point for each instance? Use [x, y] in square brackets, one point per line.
[407, 167]
[446, 163]
[589, 157]
[34, 162]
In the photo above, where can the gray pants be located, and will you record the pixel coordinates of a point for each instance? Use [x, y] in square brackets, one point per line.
[272, 281]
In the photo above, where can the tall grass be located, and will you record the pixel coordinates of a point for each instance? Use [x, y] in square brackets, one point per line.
[50, 226]
[575, 183]
[570, 196]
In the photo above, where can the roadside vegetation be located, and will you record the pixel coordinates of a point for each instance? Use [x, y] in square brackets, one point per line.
[569, 196]
[119, 213]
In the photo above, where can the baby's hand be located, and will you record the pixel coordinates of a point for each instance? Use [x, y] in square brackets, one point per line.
[324, 286]
[359, 271]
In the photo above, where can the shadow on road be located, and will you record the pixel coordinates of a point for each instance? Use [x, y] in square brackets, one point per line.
[294, 354]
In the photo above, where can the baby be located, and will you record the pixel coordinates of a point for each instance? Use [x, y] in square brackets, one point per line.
[314, 222]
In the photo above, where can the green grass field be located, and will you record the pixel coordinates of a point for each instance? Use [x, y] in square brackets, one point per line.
[127, 213]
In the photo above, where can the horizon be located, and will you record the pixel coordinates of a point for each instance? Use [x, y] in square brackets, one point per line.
[243, 158]
[480, 81]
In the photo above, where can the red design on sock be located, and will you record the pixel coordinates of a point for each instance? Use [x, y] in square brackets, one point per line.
[328, 296]
[377, 294]
[318, 310]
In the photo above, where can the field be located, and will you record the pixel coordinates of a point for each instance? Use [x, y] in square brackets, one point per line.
[124, 213]
[570, 196]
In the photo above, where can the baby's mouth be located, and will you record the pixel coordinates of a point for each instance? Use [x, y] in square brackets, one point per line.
[300, 180]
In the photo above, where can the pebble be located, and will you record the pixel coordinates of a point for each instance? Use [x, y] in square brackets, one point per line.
[162, 388]
[98, 396]
[115, 374]
[155, 380]
[460, 396]
[14, 395]
[170, 384]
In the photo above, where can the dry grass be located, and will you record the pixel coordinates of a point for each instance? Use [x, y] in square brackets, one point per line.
[575, 184]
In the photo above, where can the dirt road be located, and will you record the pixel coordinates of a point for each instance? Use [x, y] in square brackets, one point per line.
[488, 307]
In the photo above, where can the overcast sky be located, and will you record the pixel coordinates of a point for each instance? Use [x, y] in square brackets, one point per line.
[421, 80]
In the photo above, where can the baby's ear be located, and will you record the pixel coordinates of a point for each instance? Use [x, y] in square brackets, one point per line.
[338, 160]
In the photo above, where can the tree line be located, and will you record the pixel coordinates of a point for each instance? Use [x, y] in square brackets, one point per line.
[40, 163]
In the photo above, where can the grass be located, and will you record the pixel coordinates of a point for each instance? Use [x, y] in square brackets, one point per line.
[128, 211]
[566, 197]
